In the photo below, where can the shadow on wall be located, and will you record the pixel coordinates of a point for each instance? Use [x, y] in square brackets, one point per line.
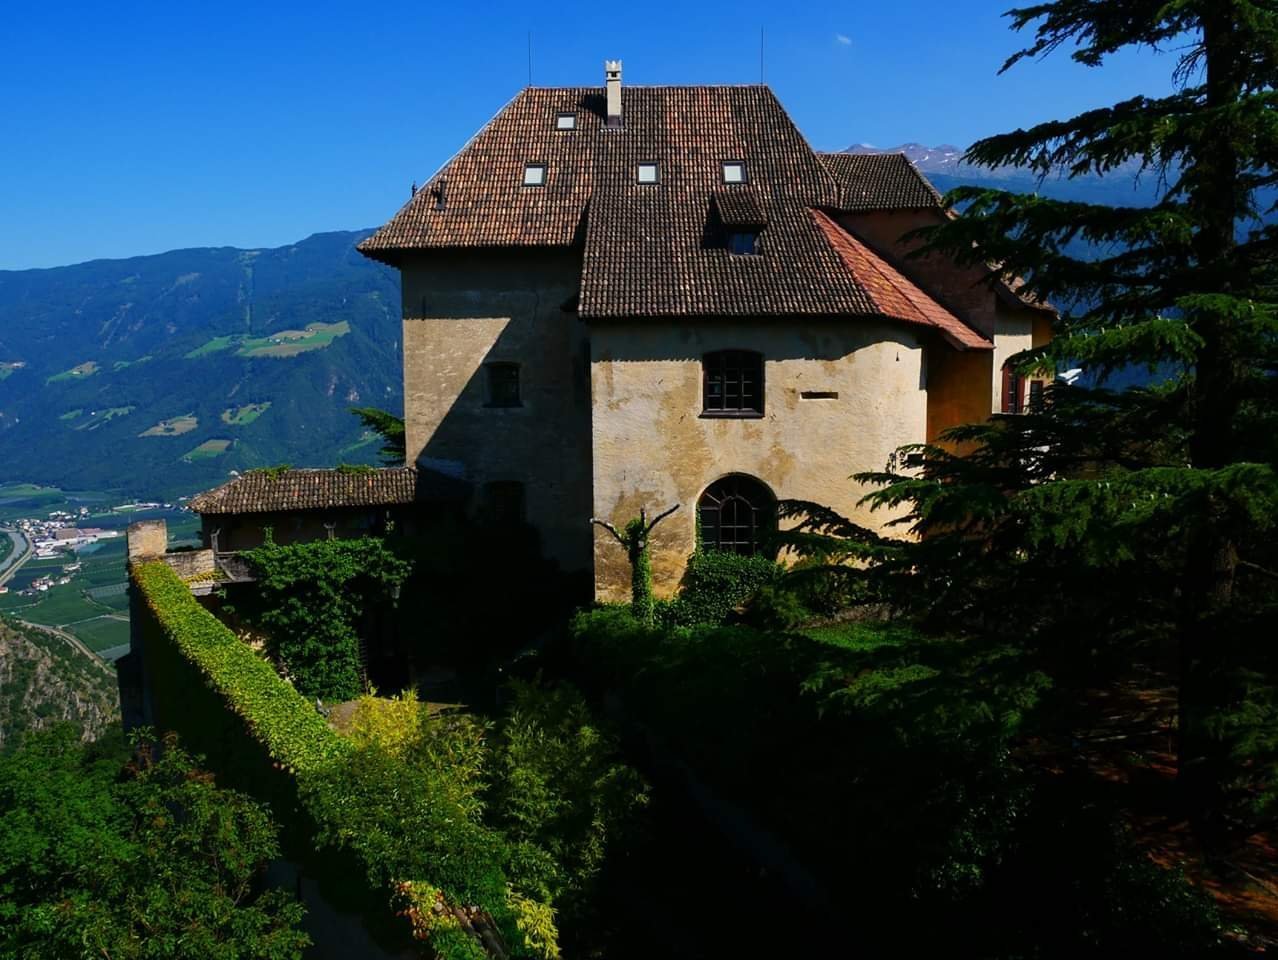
[497, 389]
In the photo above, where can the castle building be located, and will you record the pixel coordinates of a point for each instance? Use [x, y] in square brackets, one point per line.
[620, 297]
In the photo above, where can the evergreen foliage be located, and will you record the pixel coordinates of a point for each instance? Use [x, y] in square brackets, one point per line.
[144, 857]
[311, 599]
[1141, 519]
[387, 426]
[886, 759]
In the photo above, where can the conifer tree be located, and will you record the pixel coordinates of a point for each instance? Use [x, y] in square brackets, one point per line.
[1147, 513]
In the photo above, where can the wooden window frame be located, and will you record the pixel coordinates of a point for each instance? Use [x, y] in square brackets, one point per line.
[493, 370]
[504, 502]
[747, 506]
[1011, 402]
[723, 364]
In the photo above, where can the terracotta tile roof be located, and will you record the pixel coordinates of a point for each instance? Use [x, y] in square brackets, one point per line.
[882, 181]
[894, 295]
[659, 249]
[479, 199]
[740, 206]
[267, 492]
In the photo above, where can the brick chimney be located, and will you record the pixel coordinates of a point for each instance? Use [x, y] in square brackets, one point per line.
[612, 81]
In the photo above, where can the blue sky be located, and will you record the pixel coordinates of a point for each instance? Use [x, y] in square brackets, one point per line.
[140, 127]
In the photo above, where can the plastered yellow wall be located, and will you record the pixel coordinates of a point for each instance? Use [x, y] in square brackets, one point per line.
[652, 448]
[463, 311]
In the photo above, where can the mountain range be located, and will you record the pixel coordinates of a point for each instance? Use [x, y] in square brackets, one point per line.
[159, 375]
[1126, 185]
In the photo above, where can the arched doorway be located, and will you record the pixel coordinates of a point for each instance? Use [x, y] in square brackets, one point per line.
[737, 514]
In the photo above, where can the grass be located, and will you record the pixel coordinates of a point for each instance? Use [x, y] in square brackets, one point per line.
[70, 415]
[289, 343]
[207, 450]
[79, 372]
[216, 345]
[55, 607]
[125, 364]
[243, 416]
[862, 636]
[102, 633]
[366, 438]
[173, 427]
[99, 417]
[283, 343]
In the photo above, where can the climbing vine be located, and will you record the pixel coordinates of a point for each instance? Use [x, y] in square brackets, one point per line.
[309, 599]
[635, 539]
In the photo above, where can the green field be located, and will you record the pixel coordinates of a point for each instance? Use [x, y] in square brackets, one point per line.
[27, 500]
[243, 416]
[173, 427]
[216, 345]
[102, 633]
[289, 343]
[368, 437]
[99, 417]
[55, 607]
[79, 372]
[207, 450]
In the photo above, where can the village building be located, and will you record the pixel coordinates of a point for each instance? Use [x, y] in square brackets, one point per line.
[630, 297]
[297, 506]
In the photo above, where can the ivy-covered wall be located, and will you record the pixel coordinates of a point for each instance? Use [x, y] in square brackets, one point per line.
[258, 733]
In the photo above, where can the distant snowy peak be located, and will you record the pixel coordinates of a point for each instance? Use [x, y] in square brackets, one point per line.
[1125, 185]
[940, 159]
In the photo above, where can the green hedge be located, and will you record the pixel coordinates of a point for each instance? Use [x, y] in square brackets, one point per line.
[714, 585]
[330, 777]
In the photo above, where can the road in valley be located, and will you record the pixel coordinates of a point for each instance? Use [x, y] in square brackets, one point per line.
[22, 551]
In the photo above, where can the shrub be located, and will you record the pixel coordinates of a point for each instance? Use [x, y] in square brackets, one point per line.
[715, 584]
[309, 597]
[560, 792]
[110, 856]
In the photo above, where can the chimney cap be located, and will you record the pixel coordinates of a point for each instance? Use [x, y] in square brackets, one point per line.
[611, 67]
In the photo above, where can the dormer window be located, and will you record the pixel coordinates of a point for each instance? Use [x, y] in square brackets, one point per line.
[535, 175]
[649, 173]
[566, 121]
[743, 242]
[734, 171]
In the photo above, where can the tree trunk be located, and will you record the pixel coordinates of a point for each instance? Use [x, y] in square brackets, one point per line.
[1208, 580]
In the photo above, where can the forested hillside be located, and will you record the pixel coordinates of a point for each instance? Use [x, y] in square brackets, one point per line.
[43, 680]
[160, 374]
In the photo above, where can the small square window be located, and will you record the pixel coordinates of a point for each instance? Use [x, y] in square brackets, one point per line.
[649, 173]
[743, 243]
[566, 121]
[734, 171]
[503, 385]
[535, 175]
[504, 503]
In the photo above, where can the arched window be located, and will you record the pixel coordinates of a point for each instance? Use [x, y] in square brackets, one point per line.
[736, 514]
[732, 384]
